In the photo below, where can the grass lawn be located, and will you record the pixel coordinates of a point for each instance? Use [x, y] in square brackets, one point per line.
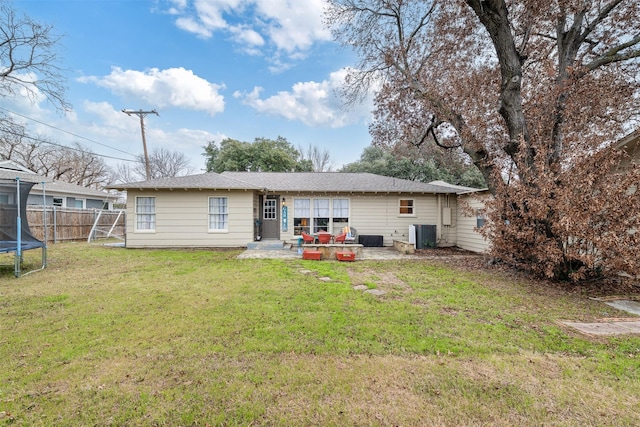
[108, 336]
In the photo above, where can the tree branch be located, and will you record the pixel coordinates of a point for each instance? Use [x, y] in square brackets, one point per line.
[613, 55]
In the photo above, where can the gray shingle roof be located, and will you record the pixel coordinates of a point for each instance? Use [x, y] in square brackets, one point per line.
[337, 182]
[211, 181]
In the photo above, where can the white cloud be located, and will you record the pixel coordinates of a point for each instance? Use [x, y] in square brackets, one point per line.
[188, 141]
[173, 87]
[109, 117]
[194, 27]
[290, 26]
[106, 124]
[25, 94]
[179, 4]
[247, 35]
[293, 24]
[314, 104]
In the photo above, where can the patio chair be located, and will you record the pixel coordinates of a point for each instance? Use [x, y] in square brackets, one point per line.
[324, 238]
[340, 238]
[307, 238]
[352, 235]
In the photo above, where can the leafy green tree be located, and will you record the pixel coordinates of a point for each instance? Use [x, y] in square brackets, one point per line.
[261, 155]
[416, 167]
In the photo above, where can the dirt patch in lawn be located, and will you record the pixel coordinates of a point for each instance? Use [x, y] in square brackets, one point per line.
[381, 280]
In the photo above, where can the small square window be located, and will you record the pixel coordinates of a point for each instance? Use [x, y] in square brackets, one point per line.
[406, 207]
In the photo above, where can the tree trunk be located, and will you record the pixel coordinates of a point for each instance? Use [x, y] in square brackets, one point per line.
[493, 15]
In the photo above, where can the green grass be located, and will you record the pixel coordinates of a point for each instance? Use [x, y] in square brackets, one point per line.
[108, 336]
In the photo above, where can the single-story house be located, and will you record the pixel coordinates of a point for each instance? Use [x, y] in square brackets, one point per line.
[57, 193]
[232, 209]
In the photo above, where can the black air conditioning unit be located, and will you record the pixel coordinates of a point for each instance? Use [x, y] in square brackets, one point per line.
[425, 236]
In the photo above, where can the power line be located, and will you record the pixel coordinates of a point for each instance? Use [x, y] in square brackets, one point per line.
[67, 132]
[66, 146]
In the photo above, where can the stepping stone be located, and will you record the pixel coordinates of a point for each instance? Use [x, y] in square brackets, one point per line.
[360, 287]
[377, 292]
[606, 328]
[632, 307]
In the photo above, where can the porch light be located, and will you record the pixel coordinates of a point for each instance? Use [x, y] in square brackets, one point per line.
[284, 202]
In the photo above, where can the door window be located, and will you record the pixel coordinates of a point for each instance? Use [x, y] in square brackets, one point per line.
[270, 211]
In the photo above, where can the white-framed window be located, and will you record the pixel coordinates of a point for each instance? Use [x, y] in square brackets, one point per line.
[79, 203]
[218, 213]
[4, 199]
[406, 207]
[321, 214]
[314, 215]
[301, 216]
[145, 213]
[340, 218]
[58, 201]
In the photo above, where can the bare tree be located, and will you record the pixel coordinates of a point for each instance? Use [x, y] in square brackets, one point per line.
[527, 89]
[75, 164]
[28, 60]
[124, 173]
[163, 163]
[319, 158]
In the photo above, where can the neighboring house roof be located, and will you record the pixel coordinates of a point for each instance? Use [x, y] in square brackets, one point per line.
[630, 144]
[338, 182]
[13, 166]
[51, 187]
[459, 188]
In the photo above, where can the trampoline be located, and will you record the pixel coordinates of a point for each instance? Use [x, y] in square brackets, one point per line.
[15, 235]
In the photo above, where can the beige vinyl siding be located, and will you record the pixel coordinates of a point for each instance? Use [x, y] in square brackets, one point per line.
[468, 238]
[182, 219]
[378, 214]
[447, 234]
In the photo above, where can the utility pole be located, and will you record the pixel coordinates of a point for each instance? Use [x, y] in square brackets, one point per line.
[142, 115]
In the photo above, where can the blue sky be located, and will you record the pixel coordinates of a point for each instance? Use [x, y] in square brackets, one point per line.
[211, 68]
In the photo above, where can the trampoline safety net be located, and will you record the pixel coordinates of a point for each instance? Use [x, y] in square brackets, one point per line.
[9, 217]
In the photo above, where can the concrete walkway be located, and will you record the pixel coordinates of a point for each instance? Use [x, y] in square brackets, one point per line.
[606, 328]
[612, 327]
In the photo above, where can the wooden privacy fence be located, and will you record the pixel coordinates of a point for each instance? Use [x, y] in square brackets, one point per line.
[67, 224]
